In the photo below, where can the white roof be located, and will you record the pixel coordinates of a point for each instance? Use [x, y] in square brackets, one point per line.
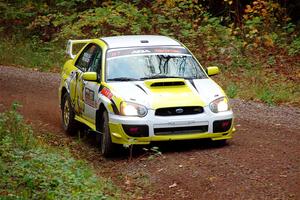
[139, 41]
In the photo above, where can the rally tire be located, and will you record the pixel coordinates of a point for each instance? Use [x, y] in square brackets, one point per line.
[68, 115]
[107, 146]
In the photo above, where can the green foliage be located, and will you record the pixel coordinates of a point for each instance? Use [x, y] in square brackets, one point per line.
[153, 152]
[239, 60]
[289, 28]
[266, 95]
[271, 60]
[13, 129]
[216, 34]
[294, 48]
[252, 26]
[31, 53]
[117, 19]
[31, 170]
[231, 90]
[253, 84]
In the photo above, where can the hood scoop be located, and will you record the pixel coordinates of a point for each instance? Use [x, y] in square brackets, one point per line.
[175, 83]
[165, 82]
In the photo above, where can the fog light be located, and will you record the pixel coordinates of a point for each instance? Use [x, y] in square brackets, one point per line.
[133, 130]
[222, 125]
[225, 124]
[136, 130]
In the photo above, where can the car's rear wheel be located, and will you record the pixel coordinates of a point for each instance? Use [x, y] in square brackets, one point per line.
[68, 115]
[107, 146]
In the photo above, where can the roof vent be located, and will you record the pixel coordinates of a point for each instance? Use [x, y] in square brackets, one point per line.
[144, 41]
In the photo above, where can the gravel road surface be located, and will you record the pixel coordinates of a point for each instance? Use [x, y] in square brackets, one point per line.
[262, 161]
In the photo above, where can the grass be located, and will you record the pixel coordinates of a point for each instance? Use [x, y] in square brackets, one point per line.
[231, 90]
[32, 54]
[265, 95]
[30, 169]
[259, 85]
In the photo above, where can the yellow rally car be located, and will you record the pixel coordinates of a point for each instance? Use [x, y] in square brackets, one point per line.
[138, 89]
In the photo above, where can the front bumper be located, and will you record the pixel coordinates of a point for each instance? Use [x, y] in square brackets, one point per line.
[182, 122]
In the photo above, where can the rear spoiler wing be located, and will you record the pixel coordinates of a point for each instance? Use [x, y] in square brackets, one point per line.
[69, 50]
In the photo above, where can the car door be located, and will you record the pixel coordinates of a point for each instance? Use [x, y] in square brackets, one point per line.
[82, 63]
[91, 88]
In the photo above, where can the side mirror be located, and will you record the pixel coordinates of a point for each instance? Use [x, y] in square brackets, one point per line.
[212, 70]
[90, 76]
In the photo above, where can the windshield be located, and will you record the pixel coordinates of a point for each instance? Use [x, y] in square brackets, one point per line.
[140, 64]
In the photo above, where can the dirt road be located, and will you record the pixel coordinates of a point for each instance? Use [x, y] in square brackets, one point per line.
[261, 162]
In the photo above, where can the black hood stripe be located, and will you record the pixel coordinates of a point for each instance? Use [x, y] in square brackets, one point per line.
[193, 84]
[141, 88]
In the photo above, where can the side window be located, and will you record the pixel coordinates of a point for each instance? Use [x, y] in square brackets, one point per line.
[86, 57]
[95, 64]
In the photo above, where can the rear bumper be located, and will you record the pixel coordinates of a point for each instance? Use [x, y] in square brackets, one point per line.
[182, 122]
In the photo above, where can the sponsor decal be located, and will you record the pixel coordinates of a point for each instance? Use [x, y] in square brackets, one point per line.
[148, 50]
[89, 97]
[106, 92]
[140, 51]
[168, 50]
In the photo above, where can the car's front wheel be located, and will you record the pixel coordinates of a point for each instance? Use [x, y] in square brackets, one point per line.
[68, 115]
[107, 147]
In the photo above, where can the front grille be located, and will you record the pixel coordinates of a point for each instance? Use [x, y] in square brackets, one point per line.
[180, 130]
[188, 110]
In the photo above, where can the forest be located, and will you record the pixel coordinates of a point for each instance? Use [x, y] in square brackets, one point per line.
[256, 43]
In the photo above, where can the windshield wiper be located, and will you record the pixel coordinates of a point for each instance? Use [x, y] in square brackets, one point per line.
[159, 76]
[122, 79]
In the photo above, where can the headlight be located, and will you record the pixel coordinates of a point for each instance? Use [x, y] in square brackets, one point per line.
[133, 109]
[219, 105]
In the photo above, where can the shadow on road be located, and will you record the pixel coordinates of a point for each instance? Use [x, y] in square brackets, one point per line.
[89, 138]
